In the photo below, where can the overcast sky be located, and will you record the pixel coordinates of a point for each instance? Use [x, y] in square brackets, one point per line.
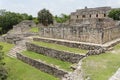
[56, 7]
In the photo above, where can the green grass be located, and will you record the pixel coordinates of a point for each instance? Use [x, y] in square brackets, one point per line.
[60, 47]
[20, 71]
[34, 29]
[6, 46]
[102, 67]
[61, 64]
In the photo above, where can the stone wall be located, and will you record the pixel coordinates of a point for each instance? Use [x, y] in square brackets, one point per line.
[90, 13]
[81, 45]
[42, 66]
[82, 34]
[23, 27]
[96, 52]
[100, 12]
[2, 39]
[111, 34]
[65, 56]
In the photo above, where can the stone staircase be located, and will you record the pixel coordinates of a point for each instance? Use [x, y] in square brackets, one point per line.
[16, 49]
[19, 47]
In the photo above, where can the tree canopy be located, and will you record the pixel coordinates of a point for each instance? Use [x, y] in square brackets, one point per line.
[115, 14]
[63, 18]
[8, 19]
[45, 17]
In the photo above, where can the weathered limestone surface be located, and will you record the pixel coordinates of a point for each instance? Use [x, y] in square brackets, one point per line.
[77, 74]
[88, 13]
[74, 44]
[116, 76]
[23, 27]
[2, 38]
[73, 33]
[65, 56]
[42, 66]
[95, 52]
[90, 25]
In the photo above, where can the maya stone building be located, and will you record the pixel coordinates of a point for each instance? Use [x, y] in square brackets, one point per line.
[89, 13]
[91, 25]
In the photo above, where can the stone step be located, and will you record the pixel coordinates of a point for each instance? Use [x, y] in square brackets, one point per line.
[116, 76]
[16, 49]
[20, 46]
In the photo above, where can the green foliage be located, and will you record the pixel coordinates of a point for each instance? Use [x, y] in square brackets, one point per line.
[115, 14]
[3, 71]
[62, 19]
[60, 47]
[45, 17]
[30, 17]
[8, 19]
[35, 20]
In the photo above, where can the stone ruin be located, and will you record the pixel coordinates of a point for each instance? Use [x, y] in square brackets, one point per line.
[19, 31]
[90, 25]
[23, 27]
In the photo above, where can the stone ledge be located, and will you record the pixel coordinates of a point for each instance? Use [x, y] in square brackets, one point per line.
[74, 44]
[42, 66]
[61, 55]
[81, 45]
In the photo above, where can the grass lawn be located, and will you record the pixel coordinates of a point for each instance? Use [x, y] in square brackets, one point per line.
[21, 71]
[34, 29]
[102, 67]
[60, 47]
[61, 64]
[6, 46]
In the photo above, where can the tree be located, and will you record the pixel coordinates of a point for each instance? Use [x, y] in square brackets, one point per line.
[8, 19]
[45, 17]
[35, 20]
[26, 16]
[3, 71]
[63, 18]
[115, 14]
[30, 17]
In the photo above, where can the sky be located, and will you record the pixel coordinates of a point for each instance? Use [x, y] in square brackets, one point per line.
[56, 7]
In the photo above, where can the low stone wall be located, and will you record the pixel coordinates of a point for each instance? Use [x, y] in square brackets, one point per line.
[95, 52]
[1, 39]
[81, 45]
[111, 34]
[42, 66]
[61, 55]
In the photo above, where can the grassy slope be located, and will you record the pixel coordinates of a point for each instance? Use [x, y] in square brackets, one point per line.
[34, 29]
[21, 71]
[102, 67]
[6, 46]
[60, 47]
[49, 60]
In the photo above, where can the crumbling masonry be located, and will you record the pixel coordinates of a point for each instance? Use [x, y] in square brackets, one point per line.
[90, 25]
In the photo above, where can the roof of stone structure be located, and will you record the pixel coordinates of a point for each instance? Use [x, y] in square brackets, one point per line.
[97, 9]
